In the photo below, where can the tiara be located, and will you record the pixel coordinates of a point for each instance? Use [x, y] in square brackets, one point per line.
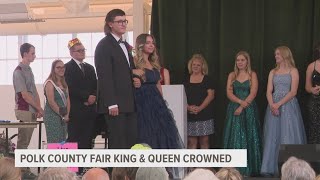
[73, 42]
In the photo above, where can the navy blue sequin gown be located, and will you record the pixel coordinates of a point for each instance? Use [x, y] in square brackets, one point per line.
[156, 125]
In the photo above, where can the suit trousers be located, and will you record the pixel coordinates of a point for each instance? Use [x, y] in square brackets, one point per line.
[81, 126]
[122, 130]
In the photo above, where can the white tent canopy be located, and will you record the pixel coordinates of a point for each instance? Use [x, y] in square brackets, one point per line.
[19, 17]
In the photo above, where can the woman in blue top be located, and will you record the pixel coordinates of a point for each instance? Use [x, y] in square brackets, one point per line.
[283, 121]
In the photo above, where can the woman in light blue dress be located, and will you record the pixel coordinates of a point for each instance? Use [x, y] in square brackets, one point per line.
[283, 120]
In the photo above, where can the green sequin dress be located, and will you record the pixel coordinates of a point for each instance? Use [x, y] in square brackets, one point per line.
[56, 129]
[243, 131]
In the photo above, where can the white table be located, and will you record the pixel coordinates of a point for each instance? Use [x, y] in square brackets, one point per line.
[8, 125]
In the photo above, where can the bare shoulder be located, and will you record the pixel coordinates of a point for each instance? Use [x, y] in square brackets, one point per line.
[232, 75]
[253, 73]
[311, 66]
[271, 73]
[294, 71]
[49, 85]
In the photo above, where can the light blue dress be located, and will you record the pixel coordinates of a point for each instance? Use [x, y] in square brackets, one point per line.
[287, 128]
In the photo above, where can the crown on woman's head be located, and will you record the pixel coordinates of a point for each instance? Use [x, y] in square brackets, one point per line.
[73, 42]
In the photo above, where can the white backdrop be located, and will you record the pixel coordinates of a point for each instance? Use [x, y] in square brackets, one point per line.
[7, 113]
[174, 95]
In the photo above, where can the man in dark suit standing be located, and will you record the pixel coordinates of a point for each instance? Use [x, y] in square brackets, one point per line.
[82, 82]
[114, 64]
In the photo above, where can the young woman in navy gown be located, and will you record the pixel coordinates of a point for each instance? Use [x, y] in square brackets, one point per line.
[156, 125]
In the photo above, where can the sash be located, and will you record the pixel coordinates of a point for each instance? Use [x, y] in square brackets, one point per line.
[61, 93]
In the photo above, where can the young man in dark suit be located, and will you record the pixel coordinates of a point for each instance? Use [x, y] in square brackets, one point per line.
[82, 83]
[114, 64]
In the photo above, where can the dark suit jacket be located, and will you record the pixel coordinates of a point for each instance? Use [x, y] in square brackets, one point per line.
[80, 87]
[82, 117]
[114, 76]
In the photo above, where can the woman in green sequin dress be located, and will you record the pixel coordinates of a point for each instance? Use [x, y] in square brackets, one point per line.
[57, 107]
[242, 129]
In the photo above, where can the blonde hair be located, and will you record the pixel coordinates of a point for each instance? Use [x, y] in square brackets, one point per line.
[203, 174]
[228, 174]
[200, 58]
[286, 54]
[52, 75]
[248, 68]
[8, 171]
[153, 58]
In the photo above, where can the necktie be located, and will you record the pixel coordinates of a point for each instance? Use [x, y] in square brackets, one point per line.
[82, 68]
[121, 41]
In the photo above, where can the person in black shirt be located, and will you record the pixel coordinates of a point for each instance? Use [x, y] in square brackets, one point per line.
[313, 105]
[200, 93]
